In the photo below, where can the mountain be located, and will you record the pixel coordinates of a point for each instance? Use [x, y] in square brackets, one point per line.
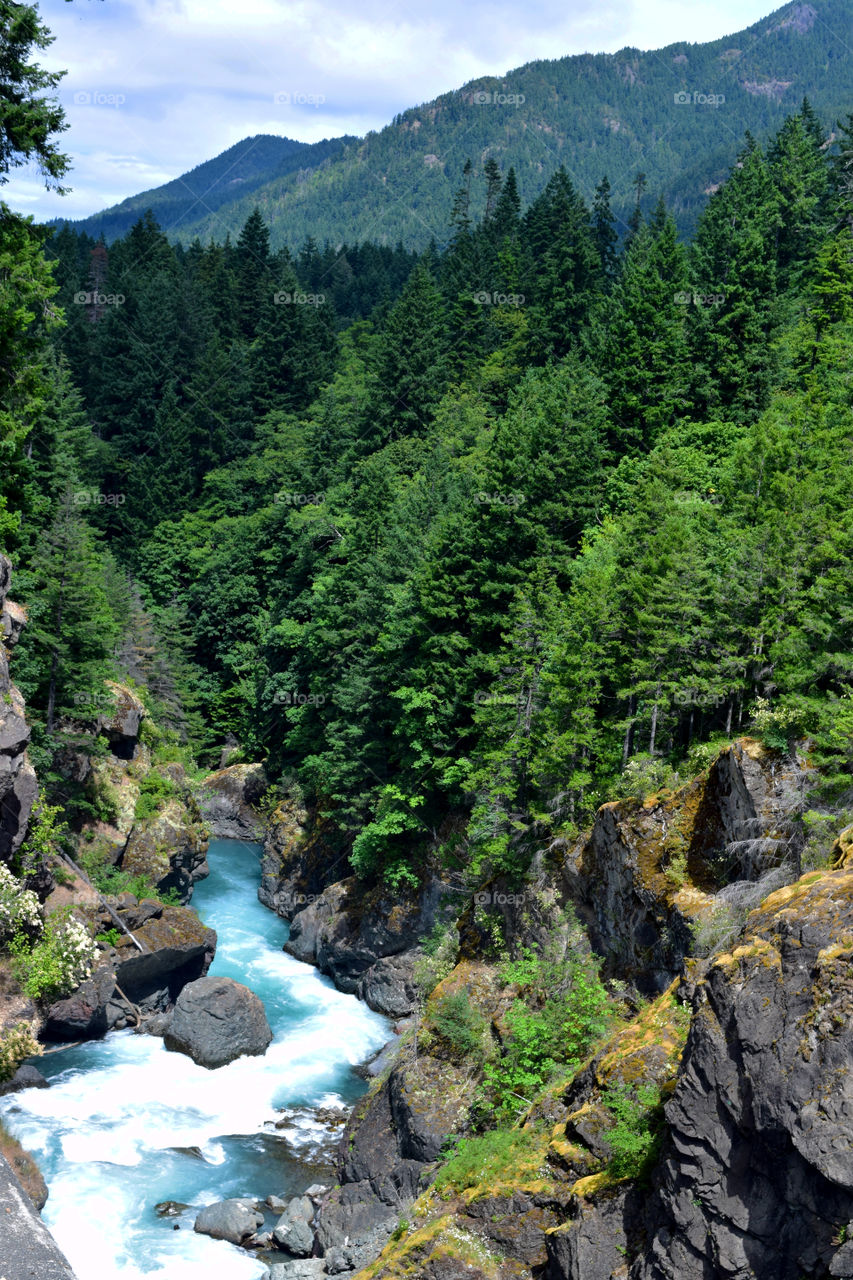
[677, 114]
[229, 177]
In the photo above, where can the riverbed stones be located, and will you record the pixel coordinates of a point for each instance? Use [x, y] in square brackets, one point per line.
[217, 1020]
[231, 1220]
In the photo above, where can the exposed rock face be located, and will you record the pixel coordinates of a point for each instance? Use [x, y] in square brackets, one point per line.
[170, 849]
[18, 784]
[366, 940]
[757, 1178]
[217, 1020]
[649, 872]
[227, 799]
[300, 859]
[121, 726]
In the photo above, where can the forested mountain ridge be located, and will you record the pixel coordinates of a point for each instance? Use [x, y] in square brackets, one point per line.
[677, 114]
[214, 185]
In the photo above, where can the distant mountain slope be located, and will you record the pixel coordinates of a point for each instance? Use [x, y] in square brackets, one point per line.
[677, 114]
[203, 191]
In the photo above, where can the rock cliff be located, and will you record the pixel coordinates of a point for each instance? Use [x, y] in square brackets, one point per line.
[18, 784]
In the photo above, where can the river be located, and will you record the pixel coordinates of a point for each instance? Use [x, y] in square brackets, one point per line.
[126, 1125]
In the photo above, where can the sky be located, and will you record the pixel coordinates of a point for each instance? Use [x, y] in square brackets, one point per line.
[155, 87]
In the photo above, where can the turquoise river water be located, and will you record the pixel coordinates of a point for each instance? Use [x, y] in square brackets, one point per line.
[126, 1125]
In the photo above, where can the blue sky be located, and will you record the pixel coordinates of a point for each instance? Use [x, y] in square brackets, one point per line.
[154, 87]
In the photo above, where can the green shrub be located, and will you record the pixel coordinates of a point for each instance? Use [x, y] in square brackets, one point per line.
[636, 1135]
[643, 776]
[154, 790]
[16, 1045]
[821, 830]
[462, 1026]
[485, 1160]
[562, 1011]
[440, 950]
[109, 937]
[775, 726]
[62, 958]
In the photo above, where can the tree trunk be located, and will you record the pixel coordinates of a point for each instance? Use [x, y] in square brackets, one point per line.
[654, 728]
[54, 662]
[629, 729]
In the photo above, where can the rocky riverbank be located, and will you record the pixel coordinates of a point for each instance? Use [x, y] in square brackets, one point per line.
[743, 1060]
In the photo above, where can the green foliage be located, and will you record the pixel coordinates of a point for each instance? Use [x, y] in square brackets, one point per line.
[562, 1011]
[58, 962]
[109, 937]
[45, 838]
[16, 1045]
[486, 1160]
[644, 775]
[460, 1025]
[775, 726]
[154, 791]
[636, 1134]
[440, 950]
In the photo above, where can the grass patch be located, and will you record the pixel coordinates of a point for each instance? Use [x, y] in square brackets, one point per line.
[489, 1159]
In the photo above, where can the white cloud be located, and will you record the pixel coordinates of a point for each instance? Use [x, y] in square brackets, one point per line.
[167, 84]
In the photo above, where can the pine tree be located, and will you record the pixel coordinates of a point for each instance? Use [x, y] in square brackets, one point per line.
[411, 367]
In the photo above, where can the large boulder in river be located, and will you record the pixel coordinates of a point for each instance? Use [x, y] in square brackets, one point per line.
[232, 1220]
[217, 1020]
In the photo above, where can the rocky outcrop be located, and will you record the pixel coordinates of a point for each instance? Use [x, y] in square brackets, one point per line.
[757, 1175]
[366, 940]
[120, 725]
[302, 856]
[18, 784]
[170, 848]
[228, 799]
[216, 1020]
[177, 950]
[651, 871]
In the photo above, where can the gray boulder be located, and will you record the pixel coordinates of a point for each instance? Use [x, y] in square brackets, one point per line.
[217, 1020]
[293, 1231]
[24, 1078]
[232, 1220]
[298, 1269]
